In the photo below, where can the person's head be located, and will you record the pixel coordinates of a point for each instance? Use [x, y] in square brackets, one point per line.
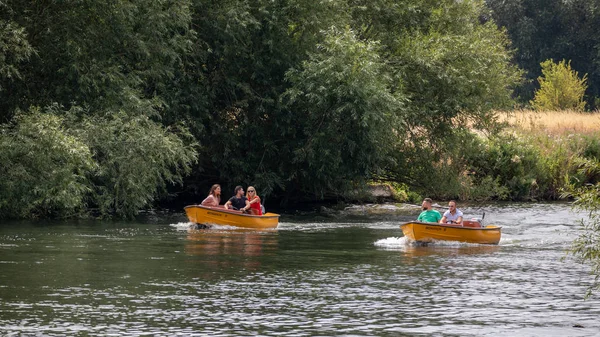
[251, 192]
[426, 204]
[239, 191]
[215, 190]
[452, 205]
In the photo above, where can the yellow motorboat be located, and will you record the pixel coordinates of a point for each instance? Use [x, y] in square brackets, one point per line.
[469, 231]
[206, 215]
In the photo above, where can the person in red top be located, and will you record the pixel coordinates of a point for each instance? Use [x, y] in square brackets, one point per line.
[254, 201]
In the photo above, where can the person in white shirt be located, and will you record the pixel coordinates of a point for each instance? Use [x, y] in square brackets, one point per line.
[452, 215]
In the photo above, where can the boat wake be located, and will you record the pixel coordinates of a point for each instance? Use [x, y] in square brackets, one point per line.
[186, 226]
[182, 226]
[401, 243]
[393, 242]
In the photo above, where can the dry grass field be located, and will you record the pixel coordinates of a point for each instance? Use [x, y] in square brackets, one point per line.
[552, 122]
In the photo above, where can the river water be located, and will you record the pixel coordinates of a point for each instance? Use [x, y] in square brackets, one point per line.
[345, 274]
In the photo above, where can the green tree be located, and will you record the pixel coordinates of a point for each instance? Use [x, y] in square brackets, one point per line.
[112, 66]
[136, 158]
[586, 248]
[44, 169]
[14, 50]
[245, 49]
[96, 53]
[552, 29]
[560, 88]
[453, 69]
[348, 116]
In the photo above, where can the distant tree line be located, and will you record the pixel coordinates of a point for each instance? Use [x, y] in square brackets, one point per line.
[542, 30]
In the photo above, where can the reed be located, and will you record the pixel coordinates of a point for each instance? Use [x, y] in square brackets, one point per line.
[552, 122]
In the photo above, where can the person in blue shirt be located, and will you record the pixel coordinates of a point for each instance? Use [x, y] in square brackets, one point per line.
[429, 214]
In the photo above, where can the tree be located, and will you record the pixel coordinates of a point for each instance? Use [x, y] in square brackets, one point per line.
[14, 51]
[135, 158]
[44, 169]
[100, 70]
[586, 248]
[552, 29]
[453, 69]
[560, 88]
[96, 53]
[349, 117]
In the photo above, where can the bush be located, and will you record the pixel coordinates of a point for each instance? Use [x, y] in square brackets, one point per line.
[43, 168]
[560, 88]
[508, 163]
[136, 159]
[57, 164]
[586, 248]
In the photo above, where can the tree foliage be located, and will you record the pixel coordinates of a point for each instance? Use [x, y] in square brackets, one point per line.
[14, 50]
[302, 99]
[347, 115]
[552, 29]
[560, 88]
[44, 169]
[136, 159]
[96, 53]
[452, 68]
[587, 246]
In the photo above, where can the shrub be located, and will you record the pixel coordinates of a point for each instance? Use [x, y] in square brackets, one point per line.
[510, 164]
[43, 168]
[560, 88]
[586, 247]
[136, 159]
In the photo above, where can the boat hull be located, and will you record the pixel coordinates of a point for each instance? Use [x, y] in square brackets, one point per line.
[220, 216]
[426, 232]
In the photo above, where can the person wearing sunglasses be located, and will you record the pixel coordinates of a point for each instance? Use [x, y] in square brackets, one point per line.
[253, 201]
[453, 215]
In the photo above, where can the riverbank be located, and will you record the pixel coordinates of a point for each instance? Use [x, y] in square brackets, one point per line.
[533, 156]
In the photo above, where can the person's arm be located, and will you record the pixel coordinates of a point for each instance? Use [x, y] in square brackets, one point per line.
[209, 201]
[255, 200]
[459, 220]
[443, 220]
[227, 204]
[247, 206]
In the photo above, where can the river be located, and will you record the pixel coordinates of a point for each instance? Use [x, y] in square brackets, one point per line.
[344, 274]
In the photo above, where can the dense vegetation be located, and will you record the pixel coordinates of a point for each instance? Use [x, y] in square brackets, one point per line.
[111, 107]
[105, 104]
[552, 29]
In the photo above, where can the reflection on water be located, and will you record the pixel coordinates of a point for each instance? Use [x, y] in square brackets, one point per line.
[328, 277]
[247, 245]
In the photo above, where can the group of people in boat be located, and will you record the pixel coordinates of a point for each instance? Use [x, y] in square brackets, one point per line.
[249, 203]
[452, 216]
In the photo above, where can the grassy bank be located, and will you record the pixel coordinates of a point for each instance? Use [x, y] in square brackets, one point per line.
[534, 156]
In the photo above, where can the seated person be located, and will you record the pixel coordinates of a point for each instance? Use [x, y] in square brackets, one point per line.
[452, 215]
[429, 214]
[253, 202]
[214, 196]
[238, 201]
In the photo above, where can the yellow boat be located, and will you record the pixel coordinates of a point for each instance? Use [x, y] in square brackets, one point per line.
[206, 215]
[469, 231]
